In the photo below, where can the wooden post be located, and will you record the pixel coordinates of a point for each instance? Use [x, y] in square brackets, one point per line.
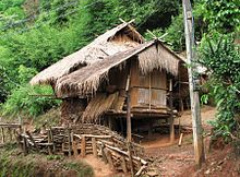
[121, 126]
[94, 147]
[172, 131]
[130, 158]
[2, 135]
[32, 140]
[25, 144]
[194, 94]
[104, 157]
[69, 142]
[109, 158]
[110, 123]
[123, 164]
[129, 128]
[74, 147]
[49, 141]
[150, 129]
[83, 146]
[10, 134]
[51, 137]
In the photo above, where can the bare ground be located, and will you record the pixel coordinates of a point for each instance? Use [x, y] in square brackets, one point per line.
[175, 161]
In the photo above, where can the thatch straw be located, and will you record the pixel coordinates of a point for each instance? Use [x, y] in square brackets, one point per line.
[158, 57]
[98, 106]
[100, 48]
[86, 80]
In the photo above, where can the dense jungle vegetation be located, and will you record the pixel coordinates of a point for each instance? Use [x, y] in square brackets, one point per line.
[36, 33]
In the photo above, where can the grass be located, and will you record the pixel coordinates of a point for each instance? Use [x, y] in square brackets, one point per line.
[13, 163]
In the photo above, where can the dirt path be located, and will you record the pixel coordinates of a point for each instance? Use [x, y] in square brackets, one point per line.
[171, 159]
[100, 168]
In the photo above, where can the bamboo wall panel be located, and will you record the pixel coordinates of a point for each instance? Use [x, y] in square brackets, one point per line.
[149, 89]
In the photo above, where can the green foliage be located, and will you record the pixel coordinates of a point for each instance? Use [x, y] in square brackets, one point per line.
[176, 35]
[35, 165]
[3, 84]
[22, 100]
[222, 15]
[59, 28]
[219, 55]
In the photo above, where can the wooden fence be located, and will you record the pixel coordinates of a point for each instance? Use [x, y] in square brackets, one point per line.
[87, 139]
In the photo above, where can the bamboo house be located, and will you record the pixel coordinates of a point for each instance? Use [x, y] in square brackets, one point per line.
[118, 71]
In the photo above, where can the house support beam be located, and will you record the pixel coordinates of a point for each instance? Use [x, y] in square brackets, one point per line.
[129, 124]
[171, 120]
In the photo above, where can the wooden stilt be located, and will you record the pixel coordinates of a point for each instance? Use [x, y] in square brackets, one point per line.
[110, 123]
[121, 126]
[150, 126]
[172, 131]
[129, 128]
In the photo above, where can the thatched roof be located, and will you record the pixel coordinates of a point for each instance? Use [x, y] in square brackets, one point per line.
[151, 55]
[100, 48]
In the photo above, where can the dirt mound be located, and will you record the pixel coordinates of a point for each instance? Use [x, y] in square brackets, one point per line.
[15, 164]
[220, 163]
[100, 168]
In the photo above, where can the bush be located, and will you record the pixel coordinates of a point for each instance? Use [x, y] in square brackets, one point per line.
[22, 101]
[219, 55]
